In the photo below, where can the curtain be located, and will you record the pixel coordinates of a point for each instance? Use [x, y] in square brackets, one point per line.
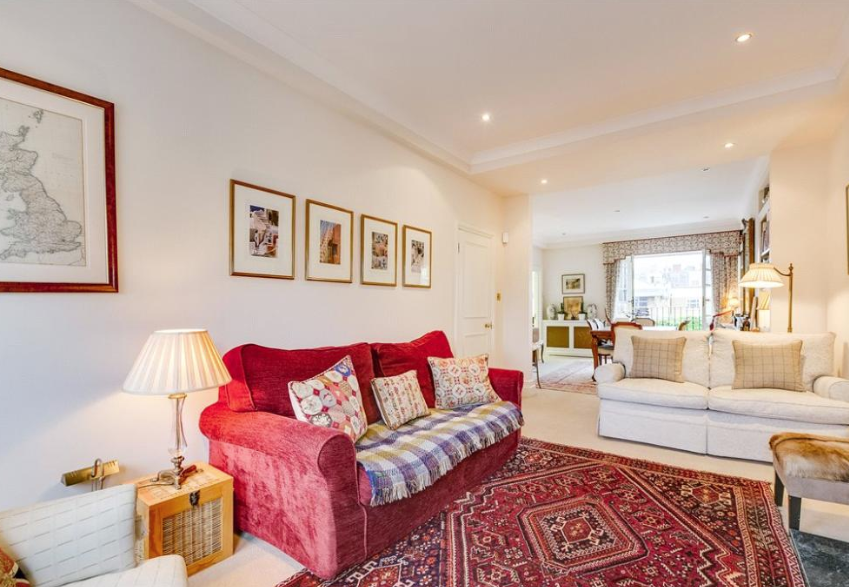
[612, 273]
[724, 276]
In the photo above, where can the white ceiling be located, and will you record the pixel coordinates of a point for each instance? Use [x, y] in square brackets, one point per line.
[663, 205]
[581, 92]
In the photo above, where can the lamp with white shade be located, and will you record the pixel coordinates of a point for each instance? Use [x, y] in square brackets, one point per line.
[767, 276]
[175, 363]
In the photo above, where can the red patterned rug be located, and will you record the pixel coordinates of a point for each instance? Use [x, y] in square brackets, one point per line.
[556, 516]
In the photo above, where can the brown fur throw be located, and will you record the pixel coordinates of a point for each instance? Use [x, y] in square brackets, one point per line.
[812, 457]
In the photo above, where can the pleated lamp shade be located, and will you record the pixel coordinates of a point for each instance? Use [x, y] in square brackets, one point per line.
[761, 276]
[177, 361]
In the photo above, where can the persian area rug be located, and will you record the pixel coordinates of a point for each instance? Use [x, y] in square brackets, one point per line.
[556, 516]
[574, 376]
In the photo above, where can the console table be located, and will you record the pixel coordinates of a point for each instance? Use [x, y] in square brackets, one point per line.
[567, 337]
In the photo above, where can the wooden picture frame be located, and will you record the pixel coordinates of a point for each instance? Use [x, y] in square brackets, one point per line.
[79, 251]
[329, 243]
[417, 260]
[569, 286]
[372, 270]
[572, 306]
[267, 256]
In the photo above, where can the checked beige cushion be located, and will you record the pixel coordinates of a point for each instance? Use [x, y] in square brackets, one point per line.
[658, 358]
[774, 366]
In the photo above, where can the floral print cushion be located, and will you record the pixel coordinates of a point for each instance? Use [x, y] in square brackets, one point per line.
[399, 398]
[331, 399]
[461, 381]
[10, 573]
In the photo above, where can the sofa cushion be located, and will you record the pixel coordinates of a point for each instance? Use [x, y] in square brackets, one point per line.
[395, 358]
[261, 376]
[696, 351]
[779, 404]
[399, 399]
[460, 382]
[656, 392]
[817, 354]
[331, 400]
[768, 366]
[658, 358]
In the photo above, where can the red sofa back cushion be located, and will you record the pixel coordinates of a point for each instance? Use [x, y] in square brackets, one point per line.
[261, 376]
[395, 358]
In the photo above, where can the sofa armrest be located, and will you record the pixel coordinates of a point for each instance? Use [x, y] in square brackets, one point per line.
[832, 388]
[100, 526]
[508, 384]
[610, 373]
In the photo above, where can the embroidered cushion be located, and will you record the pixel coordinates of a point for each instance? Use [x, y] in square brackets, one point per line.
[774, 366]
[10, 573]
[399, 398]
[396, 358]
[461, 382]
[331, 399]
[658, 358]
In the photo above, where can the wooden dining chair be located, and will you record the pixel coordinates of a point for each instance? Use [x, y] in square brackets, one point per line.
[601, 346]
[617, 325]
[683, 325]
[644, 321]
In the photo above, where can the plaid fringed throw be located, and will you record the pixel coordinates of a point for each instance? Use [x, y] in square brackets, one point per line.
[410, 459]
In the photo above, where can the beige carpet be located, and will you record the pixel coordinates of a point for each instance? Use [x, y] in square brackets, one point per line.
[574, 376]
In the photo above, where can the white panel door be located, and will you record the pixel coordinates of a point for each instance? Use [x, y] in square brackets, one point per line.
[475, 293]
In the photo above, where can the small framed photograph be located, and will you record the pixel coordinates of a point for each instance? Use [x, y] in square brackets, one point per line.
[378, 251]
[418, 249]
[572, 283]
[572, 306]
[58, 230]
[262, 232]
[330, 243]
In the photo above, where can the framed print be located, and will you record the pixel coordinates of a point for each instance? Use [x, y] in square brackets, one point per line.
[262, 232]
[572, 306]
[378, 251]
[330, 243]
[572, 284]
[417, 262]
[57, 189]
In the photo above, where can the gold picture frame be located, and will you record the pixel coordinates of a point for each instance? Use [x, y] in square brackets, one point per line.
[314, 250]
[411, 277]
[572, 306]
[246, 272]
[366, 272]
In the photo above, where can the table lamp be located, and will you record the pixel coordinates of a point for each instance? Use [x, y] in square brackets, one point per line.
[766, 276]
[175, 363]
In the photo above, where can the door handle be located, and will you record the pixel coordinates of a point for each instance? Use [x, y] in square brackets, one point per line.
[488, 325]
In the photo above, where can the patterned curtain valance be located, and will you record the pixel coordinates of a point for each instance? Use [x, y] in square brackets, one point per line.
[726, 243]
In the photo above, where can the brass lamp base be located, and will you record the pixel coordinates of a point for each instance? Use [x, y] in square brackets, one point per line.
[172, 476]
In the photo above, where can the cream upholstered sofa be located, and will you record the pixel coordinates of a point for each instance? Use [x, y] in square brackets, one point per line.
[87, 541]
[704, 414]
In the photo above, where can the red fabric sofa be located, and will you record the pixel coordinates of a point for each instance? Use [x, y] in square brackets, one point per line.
[298, 486]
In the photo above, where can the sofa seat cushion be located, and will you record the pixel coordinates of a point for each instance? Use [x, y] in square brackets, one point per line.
[779, 404]
[656, 392]
[399, 463]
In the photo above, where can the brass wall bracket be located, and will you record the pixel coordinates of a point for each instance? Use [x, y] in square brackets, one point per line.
[94, 474]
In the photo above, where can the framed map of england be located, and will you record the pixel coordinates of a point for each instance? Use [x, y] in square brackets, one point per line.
[57, 189]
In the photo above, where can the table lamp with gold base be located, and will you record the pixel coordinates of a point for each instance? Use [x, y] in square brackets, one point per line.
[767, 276]
[176, 363]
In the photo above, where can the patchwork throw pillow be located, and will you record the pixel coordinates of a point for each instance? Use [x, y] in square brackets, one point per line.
[331, 399]
[658, 358]
[774, 366]
[399, 398]
[11, 574]
[461, 382]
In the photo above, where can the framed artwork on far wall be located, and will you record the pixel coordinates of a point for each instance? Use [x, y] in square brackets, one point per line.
[378, 251]
[262, 232]
[572, 283]
[417, 257]
[57, 189]
[572, 306]
[330, 243]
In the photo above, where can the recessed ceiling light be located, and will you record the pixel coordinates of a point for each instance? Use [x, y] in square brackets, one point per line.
[744, 37]
[729, 145]
[705, 217]
[617, 211]
[486, 117]
[705, 168]
[543, 181]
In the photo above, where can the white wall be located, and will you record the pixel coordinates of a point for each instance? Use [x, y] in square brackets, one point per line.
[189, 118]
[835, 245]
[516, 300]
[586, 260]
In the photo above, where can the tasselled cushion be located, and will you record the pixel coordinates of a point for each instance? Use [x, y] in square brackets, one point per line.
[331, 399]
[399, 398]
[397, 358]
[461, 381]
